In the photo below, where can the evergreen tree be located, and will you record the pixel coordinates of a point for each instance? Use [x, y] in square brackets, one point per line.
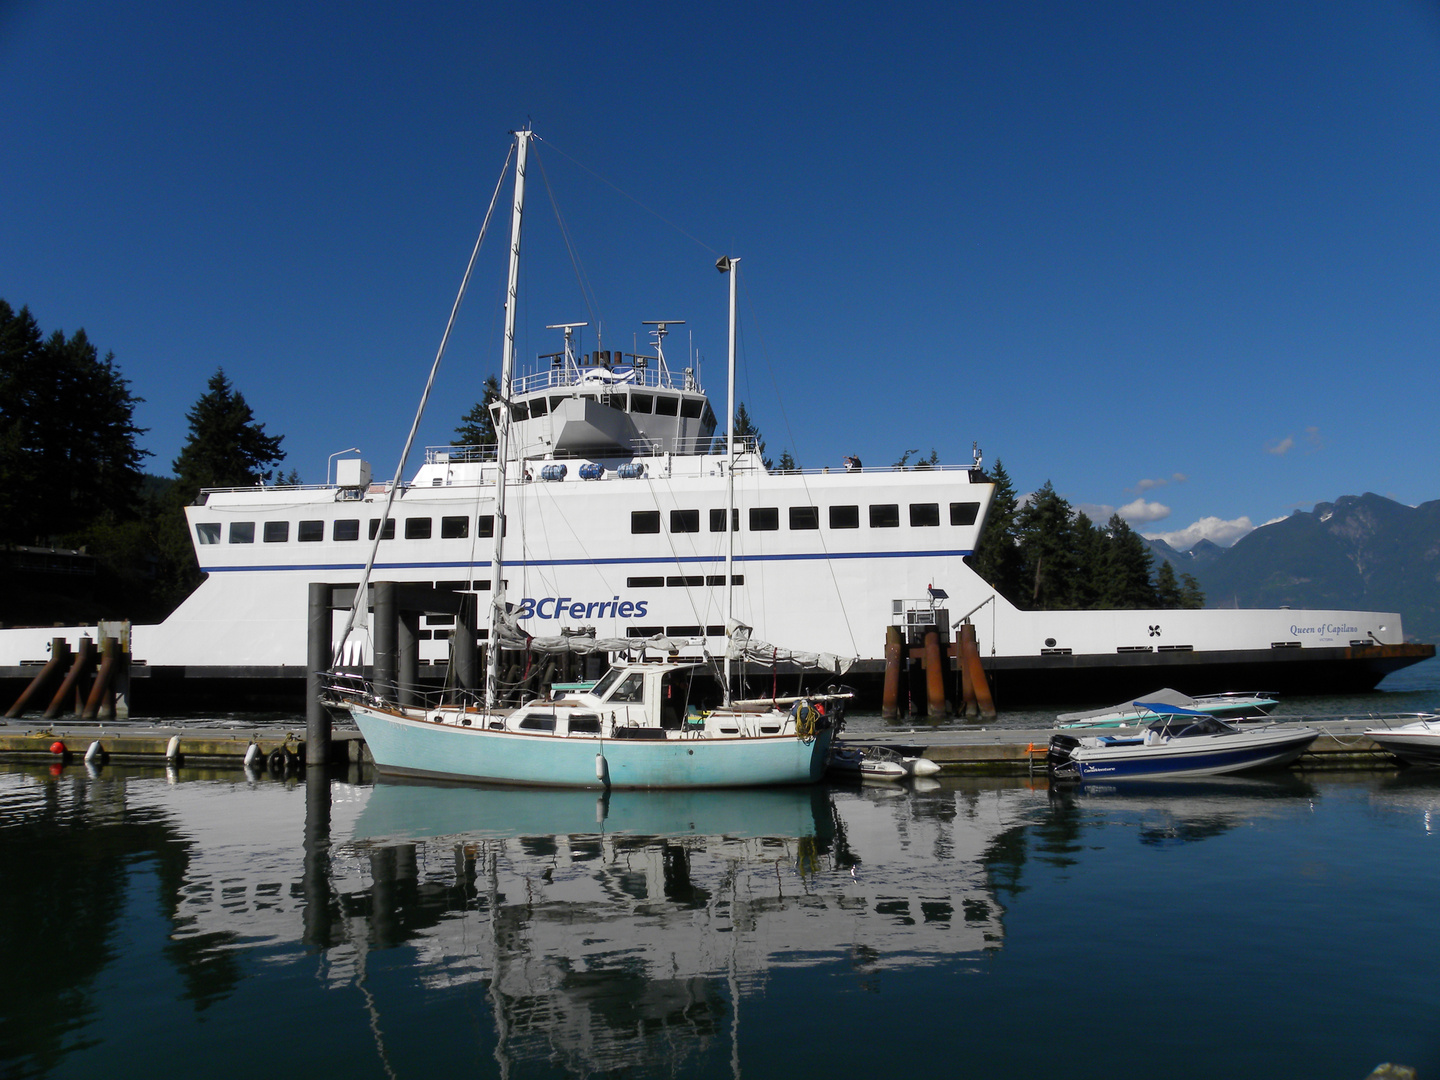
[1049, 560]
[997, 555]
[788, 463]
[477, 427]
[1129, 562]
[227, 446]
[1191, 595]
[1094, 582]
[745, 429]
[1167, 589]
[68, 458]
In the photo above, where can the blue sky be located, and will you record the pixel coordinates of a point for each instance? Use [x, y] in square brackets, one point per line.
[1177, 258]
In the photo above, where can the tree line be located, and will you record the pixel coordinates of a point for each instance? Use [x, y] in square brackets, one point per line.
[71, 475]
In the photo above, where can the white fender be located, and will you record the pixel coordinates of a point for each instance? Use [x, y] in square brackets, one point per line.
[172, 748]
[95, 753]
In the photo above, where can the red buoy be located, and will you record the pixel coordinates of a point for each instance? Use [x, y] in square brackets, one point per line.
[57, 747]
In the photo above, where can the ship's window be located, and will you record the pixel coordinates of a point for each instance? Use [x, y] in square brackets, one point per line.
[708, 421]
[584, 724]
[684, 521]
[717, 520]
[538, 723]
[683, 631]
[764, 518]
[277, 532]
[885, 516]
[454, 528]
[242, 532]
[439, 620]
[485, 526]
[519, 411]
[538, 407]
[923, 515]
[495, 414]
[804, 517]
[423, 635]
[645, 521]
[645, 583]
[346, 529]
[417, 528]
[666, 405]
[630, 688]
[676, 581]
[642, 403]
[719, 579]
[714, 631]
[964, 513]
[208, 532]
[452, 586]
[389, 531]
[555, 403]
[690, 407]
[481, 584]
[643, 631]
[310, 532]
[844, 517]
[441, 635]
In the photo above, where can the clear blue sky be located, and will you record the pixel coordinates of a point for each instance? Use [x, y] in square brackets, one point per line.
[1180, 258]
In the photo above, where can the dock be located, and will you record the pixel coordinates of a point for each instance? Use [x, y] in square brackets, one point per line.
[958, 751]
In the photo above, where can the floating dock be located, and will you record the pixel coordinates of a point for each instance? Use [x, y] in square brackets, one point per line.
[992, 751]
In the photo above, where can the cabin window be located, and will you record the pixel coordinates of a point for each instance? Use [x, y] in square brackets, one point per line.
[643, 631]
[417, 528]
[691, 407]
[844, 517]
[346, 529]
[645, 521]
[885, 516]
[388, 533]
[277, 532]
[519, 411]
[556, 402]
[584, 724]
[680, 581]
[924, 515]
[485, 525]
[538, 407]
[714, 631]
[684, 631]
[538, 723]
[310, 532]
[630, 688]
[708, 421]
[684, 521]
[208, 532]
[242, 532]
[764, 518]
[645, 583]
[964, 513]
[454, 528]
[481, 584]
[666, 405]
[642, 403]
[452, 586]
[719, 579]
[439, 620]
[804, 517]
[717, 520]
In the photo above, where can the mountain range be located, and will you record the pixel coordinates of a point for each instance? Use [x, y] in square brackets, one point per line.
[1362, 552]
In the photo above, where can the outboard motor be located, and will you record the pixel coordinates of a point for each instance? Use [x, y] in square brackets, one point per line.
[1057, 758]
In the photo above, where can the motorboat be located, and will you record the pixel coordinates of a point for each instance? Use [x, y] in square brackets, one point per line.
[879, 763]
[1179, 742]
[1415, 743]
[1231, 705]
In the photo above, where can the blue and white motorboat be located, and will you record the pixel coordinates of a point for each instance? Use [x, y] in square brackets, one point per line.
[1179, 742]
[1415, 743]
[1231, 705]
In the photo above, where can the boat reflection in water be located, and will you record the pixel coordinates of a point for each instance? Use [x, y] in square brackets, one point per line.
[633, 930]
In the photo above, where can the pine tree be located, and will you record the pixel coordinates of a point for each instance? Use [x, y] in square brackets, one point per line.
[1167, 589]
[787, 463]
[477, 427]
[1130, 562]
[227, 446]
[745, 429]
[1049, 561]
[1191, 595]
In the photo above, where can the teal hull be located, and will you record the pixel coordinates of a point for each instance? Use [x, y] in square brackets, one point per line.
[406, 747]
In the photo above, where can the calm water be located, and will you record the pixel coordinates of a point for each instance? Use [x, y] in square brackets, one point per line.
[975, 928]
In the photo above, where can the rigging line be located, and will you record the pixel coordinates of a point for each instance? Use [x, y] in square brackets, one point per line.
[585, 291]
[780, 400]
[621, 191]
[399, 479]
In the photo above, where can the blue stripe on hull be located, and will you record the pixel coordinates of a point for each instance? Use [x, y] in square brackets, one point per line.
[416, 748]
[1133, 766]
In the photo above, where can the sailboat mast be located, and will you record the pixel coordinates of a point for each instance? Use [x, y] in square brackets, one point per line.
[730, 266]
[502, 426]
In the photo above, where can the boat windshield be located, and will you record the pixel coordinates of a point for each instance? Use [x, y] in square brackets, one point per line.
[1181, 727]
[601, 688]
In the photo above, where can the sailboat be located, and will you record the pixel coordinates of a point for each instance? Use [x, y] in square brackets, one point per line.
[646, 723]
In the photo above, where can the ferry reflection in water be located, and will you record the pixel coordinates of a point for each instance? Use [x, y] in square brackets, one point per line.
[390, 929]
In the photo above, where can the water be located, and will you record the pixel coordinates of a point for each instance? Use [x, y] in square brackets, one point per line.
[1273, 927]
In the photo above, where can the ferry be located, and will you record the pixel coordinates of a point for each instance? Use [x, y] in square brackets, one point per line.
[615, 485]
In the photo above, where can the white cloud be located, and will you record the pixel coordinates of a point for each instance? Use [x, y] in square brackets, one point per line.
[1214, 529]
[1145, 485]
[1099, 512]
[1140, 511]
[1179, 477]
[1312, 436]
[1280, 446]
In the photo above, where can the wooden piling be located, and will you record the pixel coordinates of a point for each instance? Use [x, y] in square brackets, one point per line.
[84, 660]
[970, 650]
[894, 650]
[59, 659]
[936, 706]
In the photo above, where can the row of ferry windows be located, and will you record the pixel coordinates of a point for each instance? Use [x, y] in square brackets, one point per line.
[309, 532]
[658, 404]
[767, 518]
